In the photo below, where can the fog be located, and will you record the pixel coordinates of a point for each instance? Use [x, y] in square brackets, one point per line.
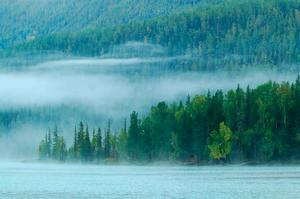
[86, 82]
[96, 90]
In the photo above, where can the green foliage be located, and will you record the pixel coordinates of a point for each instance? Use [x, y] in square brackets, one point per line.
[221, 142]
[122, 142]
[107, 141]
[133, 137]
[53, 149]
[50, 16]
[262, 125]
[45, 147]
[229, 34]
[97, 145]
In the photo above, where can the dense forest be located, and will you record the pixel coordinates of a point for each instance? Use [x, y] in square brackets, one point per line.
[234, 33]
[241, 125]
[12, 118]
[23, 20]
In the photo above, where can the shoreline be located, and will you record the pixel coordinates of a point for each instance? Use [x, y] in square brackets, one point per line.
[162, 163]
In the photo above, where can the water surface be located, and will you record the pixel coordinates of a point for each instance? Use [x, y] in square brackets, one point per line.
[26, 181]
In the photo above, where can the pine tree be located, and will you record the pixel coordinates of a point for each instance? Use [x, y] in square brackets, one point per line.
[99, 147]
[55, 148]
[93, 144]
[62, 149]
[75, 145]
[145, 139]
[80, 140]
[42, 149]
[133, 137]
[122, 142]
[107, 141]
[48, 142]
[114, 151]
[86, 145]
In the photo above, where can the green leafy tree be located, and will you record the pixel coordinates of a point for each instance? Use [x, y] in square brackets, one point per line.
[221, 143]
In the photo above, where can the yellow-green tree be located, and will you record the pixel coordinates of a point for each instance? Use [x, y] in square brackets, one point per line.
[221, 142]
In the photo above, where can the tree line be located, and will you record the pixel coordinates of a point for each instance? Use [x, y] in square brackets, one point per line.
[241, 125]
[224, 35]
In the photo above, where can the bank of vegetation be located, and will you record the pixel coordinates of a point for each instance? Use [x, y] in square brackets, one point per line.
[241, 125]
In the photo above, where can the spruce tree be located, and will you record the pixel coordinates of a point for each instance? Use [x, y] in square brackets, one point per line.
[99, 147]
[75, 145]
[93, 144]
[107, 141]
[80, 140]
[122, 142]
[87, 145]
[133, 137]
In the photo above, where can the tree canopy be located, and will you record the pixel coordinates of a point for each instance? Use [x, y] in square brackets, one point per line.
[256, 125]
[228, 34]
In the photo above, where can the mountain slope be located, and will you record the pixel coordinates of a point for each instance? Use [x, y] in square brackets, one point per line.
[26, 19]
[248, 32]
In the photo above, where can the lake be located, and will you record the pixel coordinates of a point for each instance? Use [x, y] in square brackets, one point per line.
[29, 180]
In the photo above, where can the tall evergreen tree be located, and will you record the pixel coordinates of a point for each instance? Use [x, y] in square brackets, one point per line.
[86, 145]
[99, 147]
[122, 142]
[133, 137]
[107, 141]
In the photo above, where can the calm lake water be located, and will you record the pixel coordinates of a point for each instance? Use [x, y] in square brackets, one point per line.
[24, 181]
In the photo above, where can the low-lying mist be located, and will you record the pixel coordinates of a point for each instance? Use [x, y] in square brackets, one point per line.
[99, 89]
[86, 82]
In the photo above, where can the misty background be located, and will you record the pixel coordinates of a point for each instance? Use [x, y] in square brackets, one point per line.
[64, 90]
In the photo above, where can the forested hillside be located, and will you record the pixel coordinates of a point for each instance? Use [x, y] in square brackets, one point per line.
[26, 19]
[257, 125]
[235, 32]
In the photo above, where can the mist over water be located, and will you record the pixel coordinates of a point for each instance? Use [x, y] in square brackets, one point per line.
[95, 90]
